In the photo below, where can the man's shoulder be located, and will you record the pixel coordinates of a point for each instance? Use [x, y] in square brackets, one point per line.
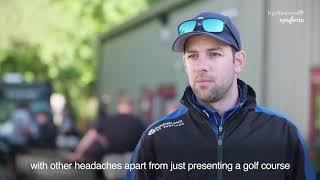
[269, 111]
[276, 115]
[170, 117]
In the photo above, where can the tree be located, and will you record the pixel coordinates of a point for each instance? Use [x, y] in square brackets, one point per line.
[54, 40]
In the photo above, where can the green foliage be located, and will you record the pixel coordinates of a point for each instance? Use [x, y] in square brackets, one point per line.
[21, 59]
[55, 40]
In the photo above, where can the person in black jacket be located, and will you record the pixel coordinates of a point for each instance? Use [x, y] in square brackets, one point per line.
[115, 133]
[220, 133]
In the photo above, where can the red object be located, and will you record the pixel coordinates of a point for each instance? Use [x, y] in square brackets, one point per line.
[167, 91]
[315, 82]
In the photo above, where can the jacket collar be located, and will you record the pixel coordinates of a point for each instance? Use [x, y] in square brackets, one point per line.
[247, 97]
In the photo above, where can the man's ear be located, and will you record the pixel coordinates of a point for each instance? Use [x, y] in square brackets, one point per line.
[240, 61]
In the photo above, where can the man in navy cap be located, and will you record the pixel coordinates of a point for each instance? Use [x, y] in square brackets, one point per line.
[221, 133]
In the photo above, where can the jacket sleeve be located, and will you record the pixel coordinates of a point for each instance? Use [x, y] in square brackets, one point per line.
[303, 169]
[143, 154]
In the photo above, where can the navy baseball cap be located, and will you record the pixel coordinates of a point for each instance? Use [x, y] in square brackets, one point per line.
[217, 26]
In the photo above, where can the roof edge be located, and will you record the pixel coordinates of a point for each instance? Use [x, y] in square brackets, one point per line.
[147, 15]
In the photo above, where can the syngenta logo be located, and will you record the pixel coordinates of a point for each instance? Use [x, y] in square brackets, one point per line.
[291, 20]
[165, 126]
[288, 17]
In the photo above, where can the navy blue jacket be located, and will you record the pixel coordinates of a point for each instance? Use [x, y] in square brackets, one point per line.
[249, 142]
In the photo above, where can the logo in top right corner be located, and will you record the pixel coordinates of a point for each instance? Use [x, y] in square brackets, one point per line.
[288, 17]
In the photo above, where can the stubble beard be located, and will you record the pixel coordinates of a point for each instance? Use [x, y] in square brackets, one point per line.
[213, 94]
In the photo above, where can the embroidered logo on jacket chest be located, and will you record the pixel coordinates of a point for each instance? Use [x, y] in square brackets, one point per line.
[165, 126]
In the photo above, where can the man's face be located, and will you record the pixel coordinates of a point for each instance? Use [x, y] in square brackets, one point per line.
[210, 67]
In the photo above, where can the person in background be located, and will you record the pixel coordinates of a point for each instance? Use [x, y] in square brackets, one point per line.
[68, 133]
[21, 131]
[47, 131]
[24, 127]
[117, 133]
[91, 136]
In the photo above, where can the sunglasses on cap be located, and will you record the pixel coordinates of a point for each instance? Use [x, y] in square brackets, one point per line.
[210, 25]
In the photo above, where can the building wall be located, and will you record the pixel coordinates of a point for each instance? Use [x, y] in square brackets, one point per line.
[291, 49]
[138, 59]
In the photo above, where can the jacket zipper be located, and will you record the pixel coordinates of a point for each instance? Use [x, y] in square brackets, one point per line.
[219, 141]
[220, 149]
[220, 144]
